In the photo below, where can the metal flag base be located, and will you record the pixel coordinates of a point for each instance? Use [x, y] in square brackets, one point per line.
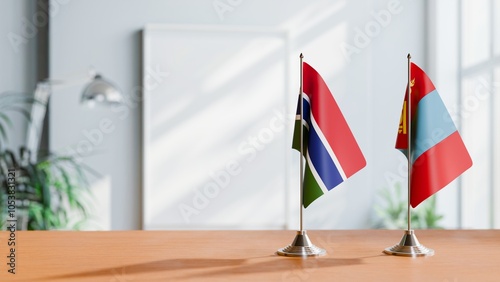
[301, 247]
[409, 247]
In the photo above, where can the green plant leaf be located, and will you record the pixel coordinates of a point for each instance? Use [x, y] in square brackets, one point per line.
[54, 186]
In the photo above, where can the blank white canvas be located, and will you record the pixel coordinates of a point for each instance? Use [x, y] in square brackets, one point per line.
[216, 132]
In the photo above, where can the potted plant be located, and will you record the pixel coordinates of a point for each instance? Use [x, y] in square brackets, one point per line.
[50, 191]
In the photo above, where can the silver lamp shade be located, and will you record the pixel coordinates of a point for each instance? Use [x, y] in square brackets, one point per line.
[102, 91]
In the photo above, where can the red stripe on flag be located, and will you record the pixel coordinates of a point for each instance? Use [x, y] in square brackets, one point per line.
[332, 123]
[421, 85]
[437, 167]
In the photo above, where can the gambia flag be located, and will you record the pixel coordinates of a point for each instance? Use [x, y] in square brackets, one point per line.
[438, 153]
[330, 150]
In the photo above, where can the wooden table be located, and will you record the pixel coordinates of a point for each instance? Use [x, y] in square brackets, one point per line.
[461, 255]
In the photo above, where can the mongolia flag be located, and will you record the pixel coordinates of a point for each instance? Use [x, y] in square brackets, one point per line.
[438, 153]
[330, 150]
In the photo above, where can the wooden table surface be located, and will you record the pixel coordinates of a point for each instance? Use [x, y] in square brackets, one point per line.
[461, 255]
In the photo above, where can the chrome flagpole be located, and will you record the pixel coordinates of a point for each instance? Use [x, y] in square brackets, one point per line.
[409, 245]
[302, 155]
[301, 245]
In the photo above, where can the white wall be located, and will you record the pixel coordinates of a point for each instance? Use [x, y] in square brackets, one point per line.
[17, 57]
[368, 86]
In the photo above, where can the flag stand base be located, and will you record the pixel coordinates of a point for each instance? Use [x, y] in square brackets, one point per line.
[301, 247]
[409, 247]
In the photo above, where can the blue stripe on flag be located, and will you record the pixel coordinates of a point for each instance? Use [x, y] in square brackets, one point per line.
[307, 112]
[433, 124]
[321, 160]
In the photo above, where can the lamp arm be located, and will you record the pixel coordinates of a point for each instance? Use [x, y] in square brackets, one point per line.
[38, 110]
[42, 94]
[72, 81]
[97, 88]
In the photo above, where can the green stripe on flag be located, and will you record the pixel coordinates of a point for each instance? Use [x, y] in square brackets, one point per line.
[296, 137]
[312, 191]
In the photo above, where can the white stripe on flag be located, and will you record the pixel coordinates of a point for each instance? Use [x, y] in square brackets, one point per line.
[304, 122]
[316, 175]
[297, 117]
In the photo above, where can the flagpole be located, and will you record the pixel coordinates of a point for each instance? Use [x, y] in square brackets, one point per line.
[302, 155]
[409, 138]
[301, 245]
[409, 246]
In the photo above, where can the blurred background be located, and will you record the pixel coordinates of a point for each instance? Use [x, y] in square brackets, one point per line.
[202, 136]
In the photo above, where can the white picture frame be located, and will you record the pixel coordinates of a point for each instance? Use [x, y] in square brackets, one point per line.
[216, 127]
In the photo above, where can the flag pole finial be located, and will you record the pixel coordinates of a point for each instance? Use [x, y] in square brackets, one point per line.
[409, 56]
